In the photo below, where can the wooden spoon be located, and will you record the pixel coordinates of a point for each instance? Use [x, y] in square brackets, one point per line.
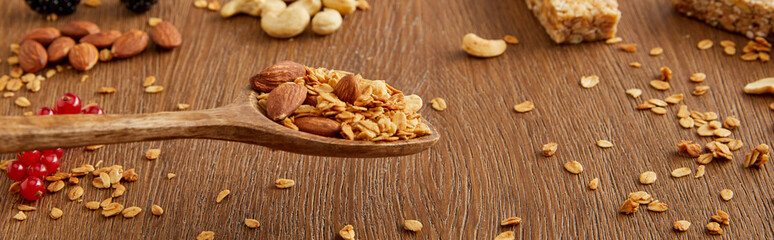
[242, 121]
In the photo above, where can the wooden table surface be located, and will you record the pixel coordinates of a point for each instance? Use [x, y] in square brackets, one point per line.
[487, 165]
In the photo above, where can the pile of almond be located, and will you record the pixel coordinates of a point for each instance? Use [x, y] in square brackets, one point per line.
[337, 104]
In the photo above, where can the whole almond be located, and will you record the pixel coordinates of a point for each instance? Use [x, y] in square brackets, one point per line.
[59, 49]
[284, 100]
[32, 56]
[277, 74]
[166, 35]
[79, 29]
[42, 35]
[348, 89]
[319, 126]
[130, 44]
[102, 39]
[83, 56]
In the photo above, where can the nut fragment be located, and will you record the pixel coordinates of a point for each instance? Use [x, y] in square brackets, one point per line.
[157, 210]
[343, 6]
[348, 232]
[249, 7]
[326, 21]
[56, 213]
[511, 39]
[640, 197]
[573, 167]
[549, 149]
[681, 172]
[666, 74]
[614, 40]
[635, 64]
[130, 175]
[629, 206]
[484, 48]
[523, 107]
[20, 216]
[764, 85]
[648, 177]
[285, 22]
[284, 183]
[221, 195]
[726, 194]
[23, 207]
[681, 225]
[634, 92]
[413, 225]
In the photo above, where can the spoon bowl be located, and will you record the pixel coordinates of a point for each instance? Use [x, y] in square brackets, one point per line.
[242, 121]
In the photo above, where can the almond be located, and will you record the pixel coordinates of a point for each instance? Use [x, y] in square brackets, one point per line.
[311, 100]
[277, 74]
[32, 56]
[59, 49]
[284, 100]
[83, 56]
[79, 29]
[319, 126]
[166, 35]
[130, 44]
[102, 39]
[42, 35]
[348, 89]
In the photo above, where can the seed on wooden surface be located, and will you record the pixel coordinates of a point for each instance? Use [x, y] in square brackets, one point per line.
[22, 102]
[221, 195]
[507, 235]
[726, 194]
[704, 44]
[700, 90]
[154, 89]
[511, 39]
[23, 207]
[75, 193]
[629, 47]
[635, 64]
[656, 51]
[714, 228]
[131, 212]
[153, 154]
[614, 40]
[56, 213]
[681, 172]
[112, 209]
[594, 184]
[659, 85]
[721, 217]
[413, 225]
[93, 205]
[681, 225]
[674, 99]
[56, 186]
[604, 144]
[658, 110]
[629, 206]
[573, 167]
[20, 216]
[648, 177]
[634, 92]
[206, 235]
[686, 122]
[348, 232]
[589, 81]
[284, 183]
[657, 206]
[699, 171]
[731, 123]
[523, 107]
[549, 149]
[704, 158]
[438, 104]
[149, 81]
[157, 210]
[510, 221]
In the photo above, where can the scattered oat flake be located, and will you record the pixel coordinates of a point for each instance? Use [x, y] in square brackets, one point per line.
[594, 184]
[252, 223]
[413, 225]
[84, 77]
[507, 235]
[704, 44]
[589, 81]
[634, 92]
[221, 195]
[22, 102]
[699, 171]
[131, 212]
[573, 167]
[681, 172]
[523, 107]
[94, 147]
[284, 183]
[348, 232]
[659, 85]
[698, 77]
[700, 90]
[213, 6]
[714, 228]
[549, 149]
[438, 104]
[726, 194]
[56, 213]
[153, 154]
[23, 207]
[648, 177]
[200, 3]
[75, 193]
[614, 40]
[604, 144]
[20, 216]
[629, 206]
[206, 235]
[154, 89]
[93, 205]
[511, 39]
[157, 210]
[171, 175]
[674, 99]
[363, 5]
[657, 206]
[629, 47]
[106, 90]
[681, 225]
[149, 81]
[183, 106]
[658, 110]
[656, 51]
[635, 64]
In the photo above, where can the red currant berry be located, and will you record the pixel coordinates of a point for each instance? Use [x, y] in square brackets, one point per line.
[16, 171]
[32, 188]
[46, 112]
[37, 170]
[59, 152]
[29, 157]
[93, 110]
[68, 104]
[51, 161]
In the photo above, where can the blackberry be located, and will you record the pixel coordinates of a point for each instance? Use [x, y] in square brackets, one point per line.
[139, 6]
[60, 7]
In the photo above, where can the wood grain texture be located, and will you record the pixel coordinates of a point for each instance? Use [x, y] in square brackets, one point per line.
[487, 167]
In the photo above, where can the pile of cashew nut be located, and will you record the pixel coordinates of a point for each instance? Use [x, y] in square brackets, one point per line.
[285, 20]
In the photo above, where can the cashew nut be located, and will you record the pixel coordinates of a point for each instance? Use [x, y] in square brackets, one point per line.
[479, 47]
[288, 23]
[250, 7]
[311, 6]
[272, 7]
[765, 85]
[343, 6]
[326, 22]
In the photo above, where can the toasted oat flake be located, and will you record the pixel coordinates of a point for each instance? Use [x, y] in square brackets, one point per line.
[523, 107]
[634, 92]
[15, 60]
[666, 73]
[183, 106]
[686, 122]
[154, 89]
[171, 175]
[153, 154]
[589, 81]
[659, 85]
[658, 110]
[629, 47]
[751, 56]
[94, 147]
[507, 235]
[106, 90]
[635, 64]
[75, 193]
[648, 177]
[629, 206]
[657, 206]
[573, 167]
[200, 3]
[120, 190]
[221, 195]
[698, 77]
[714, 228]
[130, 175]
[511, 39]
[722, 132]
[284, 183]
[20, 216]
[658, 102]
[681, 172]
[614, 40]
[699, 171]
[681, 225]
[727, 43]
[413, 225]
[14, 188]
[112, 209]
[549, 149]
[55, 186]
[731, 123]
[24, 207]
[726, 194]
[93, 205]
[206, 235]
[700, 90]
[604, 144]
[594, 184]
[640, 197]
[645, 106]
[675, 99]
[105, 55]
[730, 51]
[683, 112]
[92, 3]
[438, 104]
[704, 158]
[131, 212]
[56, 213]
[510, 221]
[157, 210]
[721, 217]
[252, 223]
[348, 232]
[22, 102]
[656, 51]
[704, 44]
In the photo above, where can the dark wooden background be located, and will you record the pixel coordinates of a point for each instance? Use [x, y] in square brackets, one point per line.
[486, 167]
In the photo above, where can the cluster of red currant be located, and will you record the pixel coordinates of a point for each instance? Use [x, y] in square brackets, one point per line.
[33, 166]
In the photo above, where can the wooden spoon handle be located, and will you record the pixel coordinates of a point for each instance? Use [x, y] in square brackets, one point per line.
[25, 133]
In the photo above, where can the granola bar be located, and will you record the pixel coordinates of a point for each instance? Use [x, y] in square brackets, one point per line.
[575, 21]
[751, 18]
